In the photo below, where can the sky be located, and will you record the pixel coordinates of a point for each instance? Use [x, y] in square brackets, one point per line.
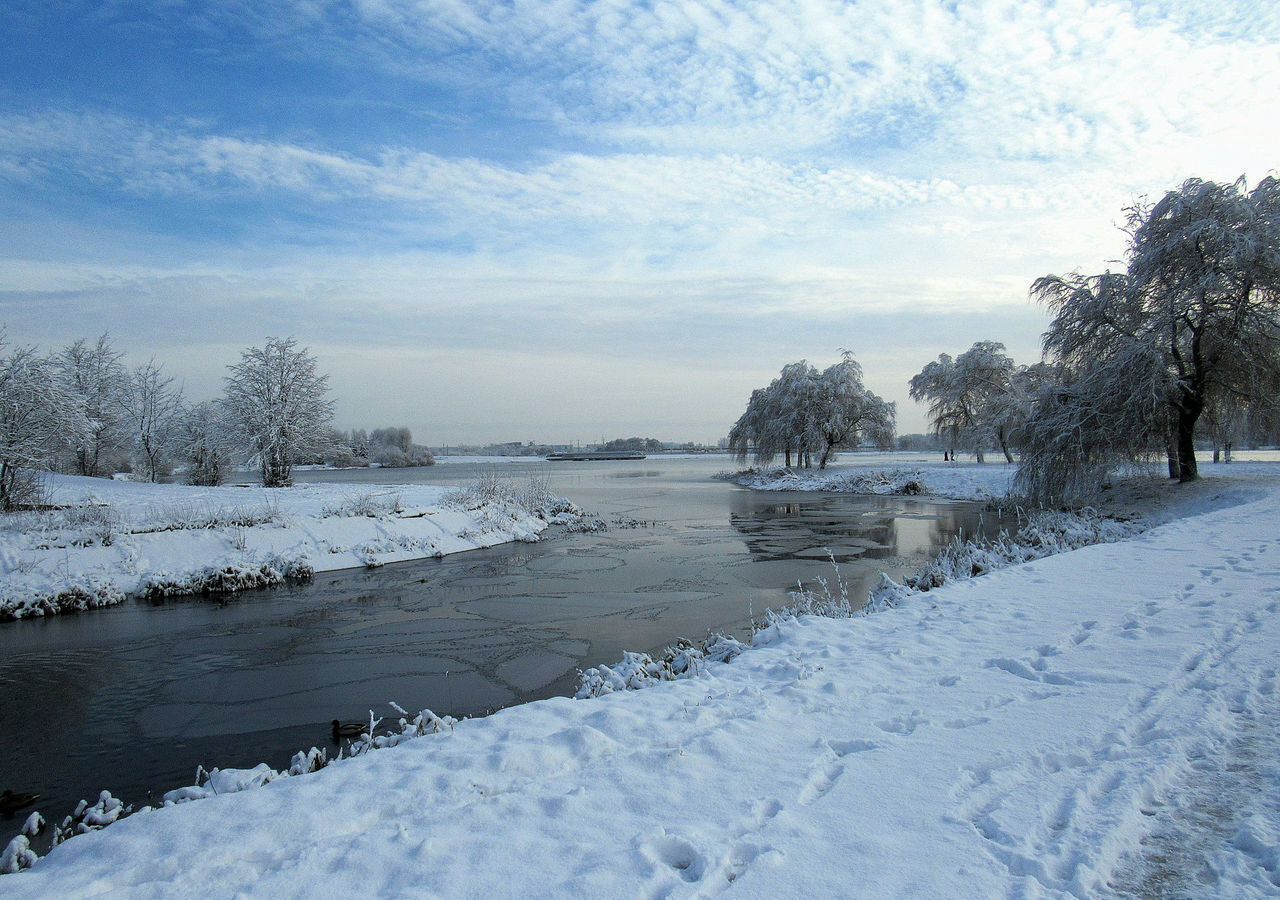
[564, 220]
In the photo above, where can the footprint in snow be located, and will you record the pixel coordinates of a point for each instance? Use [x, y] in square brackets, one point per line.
[966, 722]
[674, 853]
[903, 725]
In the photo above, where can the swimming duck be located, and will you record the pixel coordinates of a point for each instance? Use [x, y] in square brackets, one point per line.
[348, 729]
[10, 802]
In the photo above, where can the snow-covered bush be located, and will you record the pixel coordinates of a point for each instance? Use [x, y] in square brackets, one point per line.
[640, 670]
[203, 515]
[499, 500]
[1044, 534]
[88, 818]
[89, 594]
[368, 503]
[275, 569]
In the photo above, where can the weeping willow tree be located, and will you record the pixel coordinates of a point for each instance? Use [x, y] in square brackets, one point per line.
[1195, 316]
[804, 411]
[979, 398]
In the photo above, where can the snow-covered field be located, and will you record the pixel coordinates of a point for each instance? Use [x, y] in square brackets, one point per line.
[1102, 721]
[121, 538]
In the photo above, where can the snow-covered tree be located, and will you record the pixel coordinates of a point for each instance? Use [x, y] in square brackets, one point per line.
[804, 410]
[150, 407]
[1195, 315]
[779, 419]
[204, 442]
[1193, 321]
[98, 379]
[978, 398]
[39, 418]
[1089, 419]
[1205, 265]
[846, 412]
[278, 403]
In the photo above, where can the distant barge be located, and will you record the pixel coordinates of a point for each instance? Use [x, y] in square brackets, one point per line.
[586, 455]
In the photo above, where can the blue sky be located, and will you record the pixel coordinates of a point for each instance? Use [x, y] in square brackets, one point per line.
[564, 220]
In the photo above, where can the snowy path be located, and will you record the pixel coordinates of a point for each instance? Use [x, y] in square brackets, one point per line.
[1013, 735]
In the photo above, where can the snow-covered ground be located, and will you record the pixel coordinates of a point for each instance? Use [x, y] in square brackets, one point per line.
[960, 481]
[117, 538]
[913, 472]
[1061, 728]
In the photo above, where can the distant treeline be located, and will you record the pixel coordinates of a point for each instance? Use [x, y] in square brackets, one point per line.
[390, 448]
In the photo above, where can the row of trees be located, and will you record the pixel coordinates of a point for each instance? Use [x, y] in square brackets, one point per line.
[81, 410]
[1138, 364]
[644, 445]
[805, 410]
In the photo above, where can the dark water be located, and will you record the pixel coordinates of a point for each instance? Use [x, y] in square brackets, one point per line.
[132, 698]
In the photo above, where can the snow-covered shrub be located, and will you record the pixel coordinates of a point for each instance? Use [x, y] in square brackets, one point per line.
[92, 524]
[73, 598]
[191, 516]
[640, 670]
[584, 524]
[88, 818]
[368, 503]
[17, 856]
[502, 502]
[273, 570]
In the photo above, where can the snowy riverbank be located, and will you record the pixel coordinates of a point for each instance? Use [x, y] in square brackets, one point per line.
[1052, 729]
[956, 481]
[113, 539]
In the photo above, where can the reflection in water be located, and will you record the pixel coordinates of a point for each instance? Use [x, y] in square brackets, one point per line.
[133, 698]
[821, 527]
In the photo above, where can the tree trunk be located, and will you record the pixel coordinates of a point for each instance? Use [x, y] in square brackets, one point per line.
[1187, 416]
[826, 454]
[1216, 460]
[1004, 446]
[6, 486]
[1171, 453]
[788, 457]
[1227, 454]
[978, 453]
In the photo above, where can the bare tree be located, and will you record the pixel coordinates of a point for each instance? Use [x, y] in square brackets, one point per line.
[39, 418]
[151, 405]
[277, 402]
[94, 373]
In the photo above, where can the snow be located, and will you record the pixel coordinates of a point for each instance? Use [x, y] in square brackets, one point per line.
[118, 538]
[959, 481]
[1017, 734]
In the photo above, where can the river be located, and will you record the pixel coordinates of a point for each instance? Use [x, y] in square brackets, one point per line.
[132, 698]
